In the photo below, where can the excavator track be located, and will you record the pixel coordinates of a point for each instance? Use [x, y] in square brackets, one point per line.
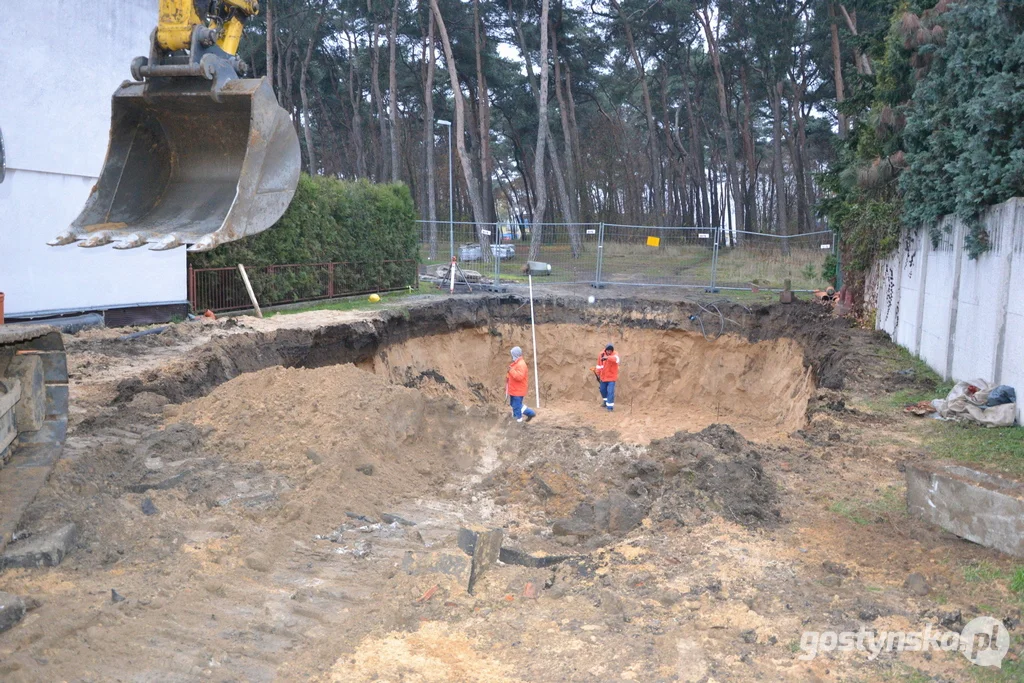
[33, 416]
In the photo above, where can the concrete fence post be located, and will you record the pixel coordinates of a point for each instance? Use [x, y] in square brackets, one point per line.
[922, 254]
[1005, 248]
[954, 301]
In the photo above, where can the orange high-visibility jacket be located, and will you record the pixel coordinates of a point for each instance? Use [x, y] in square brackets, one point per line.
[516, 380]
[608, 367]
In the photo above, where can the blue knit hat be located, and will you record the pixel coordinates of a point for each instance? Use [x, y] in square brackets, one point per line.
[517, 353]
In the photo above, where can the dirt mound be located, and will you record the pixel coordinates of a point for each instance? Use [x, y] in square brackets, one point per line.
[342, 436]
[592, 491]
[716, 471]
[670, 379]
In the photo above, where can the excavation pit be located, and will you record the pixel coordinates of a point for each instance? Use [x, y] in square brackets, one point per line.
[670, 380]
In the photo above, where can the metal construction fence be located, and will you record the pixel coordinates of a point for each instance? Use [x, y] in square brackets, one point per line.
[222, 289]
[608, 253]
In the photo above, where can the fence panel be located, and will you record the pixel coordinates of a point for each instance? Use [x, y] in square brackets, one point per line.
[657, 256]
[449, 239]
[222, 289]
[570, 249]
[747, 259]
[653, 256]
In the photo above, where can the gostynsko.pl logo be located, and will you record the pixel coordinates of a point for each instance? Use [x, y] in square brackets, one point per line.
[984, 641]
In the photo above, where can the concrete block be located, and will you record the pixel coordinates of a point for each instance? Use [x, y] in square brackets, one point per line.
[10, 394]
[45, 550]
[56, 400]
[53, 431]
[55, 366]
[484, 545]
[31, 408]
[8, 429]
[979, 506]
[12, 609]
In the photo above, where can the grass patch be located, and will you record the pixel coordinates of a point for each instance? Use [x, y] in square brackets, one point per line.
[924, 384]
[1017, 582]
[1011, 672]
[1001, 449]
[355, 303]
[907, 674]
[982, 572]
[891, 501]
[849, 510]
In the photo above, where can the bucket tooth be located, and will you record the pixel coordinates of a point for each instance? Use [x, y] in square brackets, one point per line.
[205, 243]
[131, 241]
[66, 237]
[97, 239]
[166, 242]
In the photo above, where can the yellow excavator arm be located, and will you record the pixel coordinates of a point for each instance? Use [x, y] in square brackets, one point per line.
[198, 156]
[178, 18]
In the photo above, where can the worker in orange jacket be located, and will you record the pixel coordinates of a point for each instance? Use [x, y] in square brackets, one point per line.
[516, 386]
[607, 372]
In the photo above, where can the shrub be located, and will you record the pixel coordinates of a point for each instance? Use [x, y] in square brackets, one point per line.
[329, 220]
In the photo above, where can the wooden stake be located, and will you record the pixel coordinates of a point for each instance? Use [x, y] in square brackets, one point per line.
[533, 331]
[248, 288]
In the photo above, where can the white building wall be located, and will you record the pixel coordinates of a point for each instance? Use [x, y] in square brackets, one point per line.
[970, 324]
[60, 62]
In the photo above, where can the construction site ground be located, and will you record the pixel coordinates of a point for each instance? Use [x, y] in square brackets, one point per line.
[251, 490]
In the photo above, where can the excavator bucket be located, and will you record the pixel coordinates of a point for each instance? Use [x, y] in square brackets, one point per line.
[185, 167]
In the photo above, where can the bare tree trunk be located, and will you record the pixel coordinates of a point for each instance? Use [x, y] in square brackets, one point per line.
[307, 115]
[723, 105]
[483, 117]
[652, 128]
[472, 186]
[542, 133]
[568, 207]
[749, 200]
[781, 219]
[862, 59]
[393, 91]
[270, 42]
[331, 165]
[355, 96]
[428, 137]
[582, 186]
[375, 95]
[563, 110]
[697, 154]
[837, 66]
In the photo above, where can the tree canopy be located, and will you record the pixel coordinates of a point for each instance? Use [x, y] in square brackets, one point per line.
[767, 116]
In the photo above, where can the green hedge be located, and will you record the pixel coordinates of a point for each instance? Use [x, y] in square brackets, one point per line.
[329, 220]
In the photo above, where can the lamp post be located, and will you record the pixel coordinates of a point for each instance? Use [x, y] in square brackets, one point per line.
[451, 194]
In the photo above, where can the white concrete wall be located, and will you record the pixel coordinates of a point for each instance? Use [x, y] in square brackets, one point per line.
[963, 317]
[60, 62]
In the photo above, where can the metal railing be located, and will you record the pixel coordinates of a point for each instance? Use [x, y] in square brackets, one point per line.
[632, 255]
[222, 289]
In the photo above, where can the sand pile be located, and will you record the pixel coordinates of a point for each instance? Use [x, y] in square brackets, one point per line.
[342, 435]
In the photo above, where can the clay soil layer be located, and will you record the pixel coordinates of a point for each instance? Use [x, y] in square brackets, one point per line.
[670, 380]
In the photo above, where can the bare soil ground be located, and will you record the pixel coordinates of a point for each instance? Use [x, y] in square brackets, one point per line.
[255, 517]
